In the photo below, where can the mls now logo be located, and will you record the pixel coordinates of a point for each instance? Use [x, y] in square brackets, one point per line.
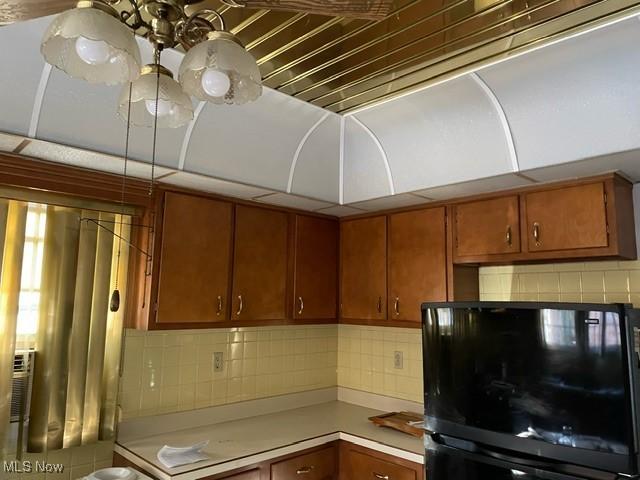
[32, 467]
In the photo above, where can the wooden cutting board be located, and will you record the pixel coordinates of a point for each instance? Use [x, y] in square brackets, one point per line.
[401, 421]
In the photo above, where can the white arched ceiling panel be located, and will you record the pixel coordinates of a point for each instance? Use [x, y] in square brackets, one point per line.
[91, 121]
[366, 172]
[253, 143]
[444, 134]
[20, 74]
[573, 100]
[315, 172]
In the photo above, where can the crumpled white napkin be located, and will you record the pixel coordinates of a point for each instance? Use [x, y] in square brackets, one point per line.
[172, 457]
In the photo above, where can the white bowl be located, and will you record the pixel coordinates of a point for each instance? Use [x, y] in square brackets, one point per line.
[115, 473]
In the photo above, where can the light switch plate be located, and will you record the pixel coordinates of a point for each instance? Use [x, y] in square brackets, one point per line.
[398, 360]
[218, 361]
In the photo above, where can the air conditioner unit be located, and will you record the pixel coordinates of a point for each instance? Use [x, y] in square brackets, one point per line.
[23, 365]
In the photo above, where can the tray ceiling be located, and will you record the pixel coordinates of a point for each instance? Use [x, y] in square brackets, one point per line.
[566, 110]
[342, 64]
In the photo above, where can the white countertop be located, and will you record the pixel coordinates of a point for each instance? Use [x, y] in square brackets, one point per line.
[250, 440]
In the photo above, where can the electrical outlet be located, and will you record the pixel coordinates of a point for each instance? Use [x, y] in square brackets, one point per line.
[398, 360]
[218, 361]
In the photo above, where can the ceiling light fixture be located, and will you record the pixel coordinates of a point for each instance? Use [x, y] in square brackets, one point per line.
[95, 42]
[91, 42]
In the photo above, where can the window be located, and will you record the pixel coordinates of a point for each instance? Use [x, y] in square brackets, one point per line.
[59, 263]
[29, 301]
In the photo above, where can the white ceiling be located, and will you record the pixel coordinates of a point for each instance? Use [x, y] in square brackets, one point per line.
[566, 110]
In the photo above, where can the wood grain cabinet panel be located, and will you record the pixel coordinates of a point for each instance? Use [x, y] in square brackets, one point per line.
[316, 268]
[567, 218]
[260, 264]
[250, 475]
[363, 268]
[357, 463]
[487, 227]
[417, 265]
[195, 260]
[318, 465]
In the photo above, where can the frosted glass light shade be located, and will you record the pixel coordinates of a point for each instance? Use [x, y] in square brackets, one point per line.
[59, 46]
[221, 52]
[174, 108]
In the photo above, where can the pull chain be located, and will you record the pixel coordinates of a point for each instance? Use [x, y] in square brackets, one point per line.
[114, 304]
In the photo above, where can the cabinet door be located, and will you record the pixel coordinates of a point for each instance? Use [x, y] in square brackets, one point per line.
[417, 262]
[357, 463]
[487, 227]
[316, 268]
[250, 475]
[567, 218]
[363, 268]
[260, 264]
[194, 260]
[318, 465]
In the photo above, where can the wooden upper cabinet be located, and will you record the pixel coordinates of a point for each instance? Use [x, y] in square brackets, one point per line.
[574, 220]
[567, 218]
[363, 268]
[417, 266]
[195, 257]
[260, 264]
[487, 227]
[316, 268]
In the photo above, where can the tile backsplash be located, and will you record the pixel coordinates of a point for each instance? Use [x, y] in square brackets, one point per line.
[366, 360]
[590, 282]
[172, 371]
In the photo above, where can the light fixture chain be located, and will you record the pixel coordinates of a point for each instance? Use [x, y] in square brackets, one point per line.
[157, 54]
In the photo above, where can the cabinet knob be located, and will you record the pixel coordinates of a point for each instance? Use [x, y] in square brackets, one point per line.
[240, 305]
[301, 305]
[381, 476]
[379, 306]
[536, 233]
[396, 306]
[508, 236]
[219, 309]
[304, 470]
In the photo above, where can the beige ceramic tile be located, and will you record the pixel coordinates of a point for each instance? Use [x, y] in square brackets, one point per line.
[616, 281]
[592, 282]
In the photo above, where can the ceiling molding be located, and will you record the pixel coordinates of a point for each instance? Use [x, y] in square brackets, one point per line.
[502, 116]
[383, 153]
[341, 167]
[304, 139]
[39, 99]
[187, 134]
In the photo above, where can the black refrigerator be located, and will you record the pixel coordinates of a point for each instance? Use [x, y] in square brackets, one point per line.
[530, 390]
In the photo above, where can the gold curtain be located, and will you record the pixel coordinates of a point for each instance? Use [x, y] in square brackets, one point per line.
[13, 217]
[78, 341]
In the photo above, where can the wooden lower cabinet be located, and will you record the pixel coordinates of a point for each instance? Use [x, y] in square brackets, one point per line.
[337, 460]
[317, 465]
[359, 463]
[254, 474]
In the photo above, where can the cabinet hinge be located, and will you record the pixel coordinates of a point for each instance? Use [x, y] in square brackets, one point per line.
[608, 229]
[605, 198]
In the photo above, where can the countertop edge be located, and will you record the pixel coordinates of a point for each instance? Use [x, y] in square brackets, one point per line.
[267, 455]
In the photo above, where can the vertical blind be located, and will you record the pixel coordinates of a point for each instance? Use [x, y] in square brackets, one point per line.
[77, 338]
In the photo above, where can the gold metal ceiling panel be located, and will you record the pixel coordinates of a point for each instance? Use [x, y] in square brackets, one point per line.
[342, 64]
